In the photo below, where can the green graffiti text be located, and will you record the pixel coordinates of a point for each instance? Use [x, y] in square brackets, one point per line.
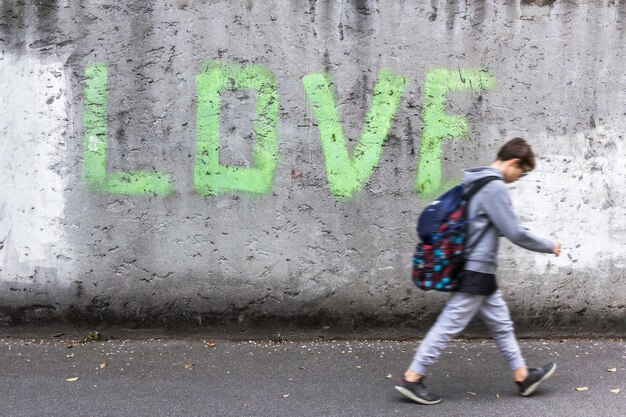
[96, 145]
[438, 125]
[347, 175]
[347, 171]
[210, 177]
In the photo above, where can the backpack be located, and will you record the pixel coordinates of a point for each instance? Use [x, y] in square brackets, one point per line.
[442, 229]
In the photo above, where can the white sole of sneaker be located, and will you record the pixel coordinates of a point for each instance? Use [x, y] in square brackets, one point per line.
[534, 386]
[415, 398]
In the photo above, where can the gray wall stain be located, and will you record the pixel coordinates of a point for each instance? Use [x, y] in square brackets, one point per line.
[12, 23]
[539, 3]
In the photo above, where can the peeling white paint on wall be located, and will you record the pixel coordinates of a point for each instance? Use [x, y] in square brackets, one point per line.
[33, 128]
[576, 195]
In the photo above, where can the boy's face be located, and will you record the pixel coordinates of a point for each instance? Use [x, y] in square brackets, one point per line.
[514, 170]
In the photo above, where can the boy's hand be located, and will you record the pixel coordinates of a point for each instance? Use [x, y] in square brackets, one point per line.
[557, 249]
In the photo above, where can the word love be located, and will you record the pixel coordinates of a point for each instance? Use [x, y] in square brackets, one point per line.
[347, 172]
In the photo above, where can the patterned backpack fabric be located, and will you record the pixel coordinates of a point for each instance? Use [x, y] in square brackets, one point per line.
[442, 227]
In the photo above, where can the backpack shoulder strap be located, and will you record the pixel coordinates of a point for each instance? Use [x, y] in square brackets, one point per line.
[476, 186]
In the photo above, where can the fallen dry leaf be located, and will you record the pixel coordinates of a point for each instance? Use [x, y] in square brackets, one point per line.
[611, 370]
[72, 379]
[615, 391]
[211, 344]
[582, 389]
[388, 376]
[103, 365]
[188, 366]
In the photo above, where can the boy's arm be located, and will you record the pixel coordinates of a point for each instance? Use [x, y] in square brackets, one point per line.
[497, 205]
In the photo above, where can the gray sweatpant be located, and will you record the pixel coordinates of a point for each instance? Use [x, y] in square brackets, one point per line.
[459, 310]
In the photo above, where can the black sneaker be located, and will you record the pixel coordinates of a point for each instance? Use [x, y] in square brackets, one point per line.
[417, 392]
[535, 377]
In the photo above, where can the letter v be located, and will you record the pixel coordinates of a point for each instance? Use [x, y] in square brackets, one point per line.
[347, 175]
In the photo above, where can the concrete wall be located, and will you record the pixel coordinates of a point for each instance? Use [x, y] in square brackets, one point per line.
[257, 162]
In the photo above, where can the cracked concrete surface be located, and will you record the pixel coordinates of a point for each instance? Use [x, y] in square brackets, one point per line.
[297, 254]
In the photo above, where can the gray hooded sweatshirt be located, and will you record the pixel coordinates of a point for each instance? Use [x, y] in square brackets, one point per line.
[491, 208]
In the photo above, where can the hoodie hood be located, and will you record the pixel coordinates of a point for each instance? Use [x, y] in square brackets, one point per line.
[474, 174]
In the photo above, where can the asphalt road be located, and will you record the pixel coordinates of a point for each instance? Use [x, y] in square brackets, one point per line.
[195, 377]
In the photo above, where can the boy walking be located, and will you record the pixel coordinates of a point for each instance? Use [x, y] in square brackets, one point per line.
[491, 215]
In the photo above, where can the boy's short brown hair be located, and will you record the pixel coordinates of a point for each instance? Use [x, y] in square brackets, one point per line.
[520, 149]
